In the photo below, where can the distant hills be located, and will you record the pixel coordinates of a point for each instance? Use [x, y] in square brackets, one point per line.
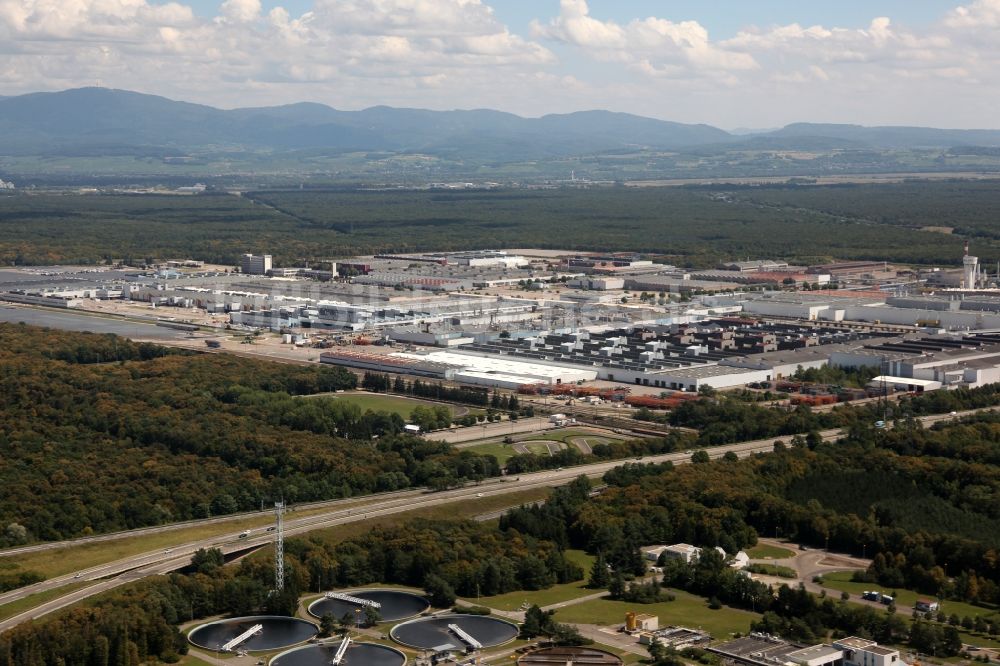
[99, 121]
[88, 118]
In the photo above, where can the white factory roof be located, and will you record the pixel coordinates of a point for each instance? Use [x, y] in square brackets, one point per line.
[909, 381]
[822, 653]
[500, 365]
[704, 371]
[500, 378]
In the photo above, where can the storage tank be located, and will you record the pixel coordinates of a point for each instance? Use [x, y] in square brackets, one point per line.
[630, 624]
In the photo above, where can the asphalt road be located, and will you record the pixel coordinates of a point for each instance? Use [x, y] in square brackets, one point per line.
[114, 574]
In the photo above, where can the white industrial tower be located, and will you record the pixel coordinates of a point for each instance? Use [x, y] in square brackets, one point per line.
[279, 547]
[970, 266]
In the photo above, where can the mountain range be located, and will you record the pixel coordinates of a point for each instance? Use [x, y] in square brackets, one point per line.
[90, 121]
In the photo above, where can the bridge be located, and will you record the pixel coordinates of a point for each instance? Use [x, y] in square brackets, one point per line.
[252, 631]
[354, 600]
[339, 657]
[464, 635]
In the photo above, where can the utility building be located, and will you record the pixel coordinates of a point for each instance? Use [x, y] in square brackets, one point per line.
[255, 264]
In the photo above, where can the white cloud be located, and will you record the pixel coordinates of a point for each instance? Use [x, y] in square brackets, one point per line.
[351, 52]
[883, 72]
[979, 14]
[653, 45]
[457, 53]
[240, 11]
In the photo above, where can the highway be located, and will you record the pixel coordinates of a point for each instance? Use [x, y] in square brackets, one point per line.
[114, 574]
[233, 517]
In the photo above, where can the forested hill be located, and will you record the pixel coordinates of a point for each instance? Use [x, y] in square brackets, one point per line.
[99, 434]
[103, 121]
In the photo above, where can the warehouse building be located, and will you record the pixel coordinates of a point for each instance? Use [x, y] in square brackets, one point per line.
[980, 313]
[469, 369]
[952, 361]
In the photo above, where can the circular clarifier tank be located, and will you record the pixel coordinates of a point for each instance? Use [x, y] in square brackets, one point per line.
[433, 633]
[395, 605]
[275, 632]
[358, 654]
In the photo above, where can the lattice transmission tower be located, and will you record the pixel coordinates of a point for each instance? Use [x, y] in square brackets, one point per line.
[279, 547]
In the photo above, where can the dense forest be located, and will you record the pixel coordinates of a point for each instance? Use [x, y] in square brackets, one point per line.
[913, 204]
[690, 226]
[98, 434]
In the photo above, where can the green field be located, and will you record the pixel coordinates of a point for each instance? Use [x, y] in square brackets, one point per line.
[566, 434]
[582, 558]
[536, 447]
[766, 552]
[979, 640]
[841, 580]
[773, 570]
[386, 403]
[556, 594]
[502, 452]
[687, 611]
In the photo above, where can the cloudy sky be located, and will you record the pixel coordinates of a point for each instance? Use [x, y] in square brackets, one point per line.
[730, 63]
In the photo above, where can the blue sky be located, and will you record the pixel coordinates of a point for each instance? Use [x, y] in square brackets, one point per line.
[723, 18]
[730, 63]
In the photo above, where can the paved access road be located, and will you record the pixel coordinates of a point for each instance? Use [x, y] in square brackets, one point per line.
[161, 561]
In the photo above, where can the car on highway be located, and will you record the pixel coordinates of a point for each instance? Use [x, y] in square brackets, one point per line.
[244, 534]
[479, 494]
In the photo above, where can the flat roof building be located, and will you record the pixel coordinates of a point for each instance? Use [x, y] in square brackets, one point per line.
[255, 264]
[817, 655]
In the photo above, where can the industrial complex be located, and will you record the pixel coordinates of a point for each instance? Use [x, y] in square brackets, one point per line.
[511, 319]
